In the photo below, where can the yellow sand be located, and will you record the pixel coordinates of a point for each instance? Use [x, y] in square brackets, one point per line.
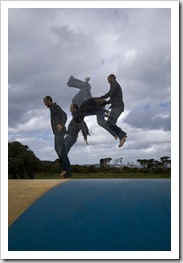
[22, 193]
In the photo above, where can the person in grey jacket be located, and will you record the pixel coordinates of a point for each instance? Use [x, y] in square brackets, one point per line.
[58, 121]
[117, 107]
[73, 130]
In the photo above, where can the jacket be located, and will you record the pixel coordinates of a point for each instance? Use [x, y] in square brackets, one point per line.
[58, 116]
[116, 95]
[74, 128]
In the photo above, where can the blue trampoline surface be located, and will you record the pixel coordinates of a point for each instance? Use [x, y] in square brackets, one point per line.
[97, 215]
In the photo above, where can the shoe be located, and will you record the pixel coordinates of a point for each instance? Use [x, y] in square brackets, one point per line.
[63, 173]
[122, 141]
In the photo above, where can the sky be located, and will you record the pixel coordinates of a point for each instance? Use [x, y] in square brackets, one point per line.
[47, 45]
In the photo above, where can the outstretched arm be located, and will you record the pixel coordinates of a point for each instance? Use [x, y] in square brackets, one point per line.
[102, 101]
[113, 88]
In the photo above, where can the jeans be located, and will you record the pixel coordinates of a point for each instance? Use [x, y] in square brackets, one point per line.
[103, 123]
[83, 94]
[69, 142]
[61, 152]
[115, 113]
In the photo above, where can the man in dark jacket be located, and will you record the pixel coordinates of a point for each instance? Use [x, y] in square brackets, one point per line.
[58, 121]
[73, 130]
[117, 107]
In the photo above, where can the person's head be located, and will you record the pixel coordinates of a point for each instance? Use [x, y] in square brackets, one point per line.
[74, 108]
[48, 101]
[111, 78]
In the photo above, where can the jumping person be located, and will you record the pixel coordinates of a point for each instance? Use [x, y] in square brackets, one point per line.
[73, 129]
[58, 121]
[89, 105]
[117, 107]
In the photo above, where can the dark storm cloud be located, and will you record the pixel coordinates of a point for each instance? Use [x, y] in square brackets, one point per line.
[150, 117]
[40, 69]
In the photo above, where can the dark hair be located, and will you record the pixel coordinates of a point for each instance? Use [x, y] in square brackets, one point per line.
[48, 98]
[112, 76]
[78, 117]
[75, 106]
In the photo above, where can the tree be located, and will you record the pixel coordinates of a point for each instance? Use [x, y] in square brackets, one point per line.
[105, 162]
[148, 164]
[118, 162]
[108, 161]
[16, 167]
[22, 162]
[151, 163]
[158, 164]
[101, 162]
[118, 165]
[143, 162]
[165, 160]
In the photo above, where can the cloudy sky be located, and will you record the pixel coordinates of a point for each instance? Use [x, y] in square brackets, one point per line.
[46, 46]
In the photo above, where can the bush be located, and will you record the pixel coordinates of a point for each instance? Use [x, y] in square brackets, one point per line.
[22, 162]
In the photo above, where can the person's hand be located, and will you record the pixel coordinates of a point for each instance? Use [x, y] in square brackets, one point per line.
[101, 100]
[59, 127]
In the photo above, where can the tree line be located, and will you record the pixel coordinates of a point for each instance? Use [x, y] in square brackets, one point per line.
[23, 164]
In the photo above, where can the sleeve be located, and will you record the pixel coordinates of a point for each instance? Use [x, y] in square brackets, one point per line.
[111, 91]
[108, 94]
[84, 129]
[107, 102]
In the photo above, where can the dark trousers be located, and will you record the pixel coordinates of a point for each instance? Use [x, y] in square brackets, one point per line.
[61, 151]
[69, 142]
[112, 120]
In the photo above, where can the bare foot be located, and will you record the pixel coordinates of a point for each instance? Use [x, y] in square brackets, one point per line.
[87, 79]
[63, 173]
[122, 141]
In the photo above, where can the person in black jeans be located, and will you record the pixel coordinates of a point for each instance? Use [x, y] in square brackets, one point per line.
[117, 107]
[58, 121]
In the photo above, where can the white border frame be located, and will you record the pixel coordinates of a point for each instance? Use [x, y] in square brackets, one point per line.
[174, 253]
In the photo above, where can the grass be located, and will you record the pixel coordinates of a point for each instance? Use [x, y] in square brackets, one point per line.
[104, 176]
